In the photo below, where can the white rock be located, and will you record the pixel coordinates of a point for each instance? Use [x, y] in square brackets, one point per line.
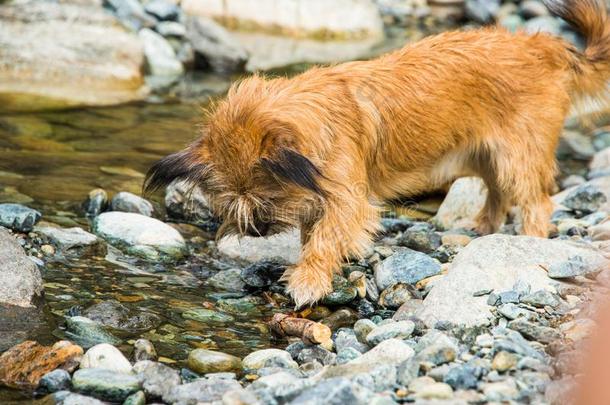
[20, 279]
[160, 55]
[497, 262]
[391, 351]
[257, 359]
[284, 247]
[465, 199]
[140, 235]
[71, 239]
[345, 18]
[105, 356]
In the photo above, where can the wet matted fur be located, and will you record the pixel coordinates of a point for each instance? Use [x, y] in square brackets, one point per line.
[323, 149]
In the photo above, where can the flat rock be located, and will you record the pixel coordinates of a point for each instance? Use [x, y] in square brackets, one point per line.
[20, 279]
[23, 366]
[142, 236]
[497, 262]
[55, 50]
[463, 202]
[18, 217]
[105, 384]
[73, 241]
[284, 247]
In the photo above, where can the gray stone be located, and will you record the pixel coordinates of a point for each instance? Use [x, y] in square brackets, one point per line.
[20, 279]
[106, 356]
[205, 315]
[482, 11]
[540, 299]
[216, 45]
[171, 29]
[96, 202]
[72, 241]
[512, 311]
[143, 349]
[105, 384]
[116, 315]
[586, 198]
[260, 358]
[508, 297]
[56, 380]
[334, 391]
[511, 22]
[347, 354]
[316, 353]
[71, 398]
[543, 334]
[390, 351]
[284, 247]
[157, 379]
[546, 24]
[162, 9]
[346, 338]
[574, 145]
[88, 333]
[280, 387]
[228, 280]
[131, 13]
[129, 202]
[362, 328]
[407, 371]
[461, 377]
[201, 390]
[399, 330]
[160, 56]
[572, 267]
[405, 266]
[497, 262]
[139, 398]
[142, 236]
[532, 8]
[18, 217]
[421, 237]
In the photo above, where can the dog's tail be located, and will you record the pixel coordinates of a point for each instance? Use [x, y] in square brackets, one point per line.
[591, 66]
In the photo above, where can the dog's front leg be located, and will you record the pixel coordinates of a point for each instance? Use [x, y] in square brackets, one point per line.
[343, 229]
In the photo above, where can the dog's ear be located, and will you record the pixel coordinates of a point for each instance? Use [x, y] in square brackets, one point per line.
[290, 166]
[184, 165]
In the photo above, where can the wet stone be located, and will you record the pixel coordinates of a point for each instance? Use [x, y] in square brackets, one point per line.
[400, 330]
[115, 315]
[96, 202]
[105, 384]
[245, 305]
[586, 199]
[405, 266]
[207, 316]
[156, 379]
[88, 333]
[56, 380]
[207, 361]
[228, 280]
[18, 217]
[144, 350]
[129, 202]
[262, 274]
[343, 292]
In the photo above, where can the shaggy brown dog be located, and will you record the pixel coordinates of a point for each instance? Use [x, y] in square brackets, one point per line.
[323, 149]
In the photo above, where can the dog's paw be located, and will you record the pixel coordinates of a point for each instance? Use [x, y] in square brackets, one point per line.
[306, 286]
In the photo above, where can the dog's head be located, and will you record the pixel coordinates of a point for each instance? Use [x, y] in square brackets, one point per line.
[250, 164]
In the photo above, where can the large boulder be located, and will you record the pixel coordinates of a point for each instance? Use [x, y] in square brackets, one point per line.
[139, 235]
[20, 280]
[50, 52]
[313, 18]
[497, 262]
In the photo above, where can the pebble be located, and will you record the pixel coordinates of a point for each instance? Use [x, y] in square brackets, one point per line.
[543, 334]
[347, 354]
[504, 361]
[56, 380]
[461, 377]
[345, 338]
[540, 299]
[157, 379]
[260, 358]
[362, 328]
[164, 10]
[508, 297]
[421, 237]
[395, 295]
[405, 266]
[512, 311]
[129, 202]
[316, 353]
[105, 356]
[399, 330]
[144, 350]
[574, 266]
[208, 361]
[18, 217]
[105, 384]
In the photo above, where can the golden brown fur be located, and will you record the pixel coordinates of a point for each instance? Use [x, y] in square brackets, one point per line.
[322, 150]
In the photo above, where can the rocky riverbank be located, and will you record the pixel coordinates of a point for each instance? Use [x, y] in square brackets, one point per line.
[433, 312]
